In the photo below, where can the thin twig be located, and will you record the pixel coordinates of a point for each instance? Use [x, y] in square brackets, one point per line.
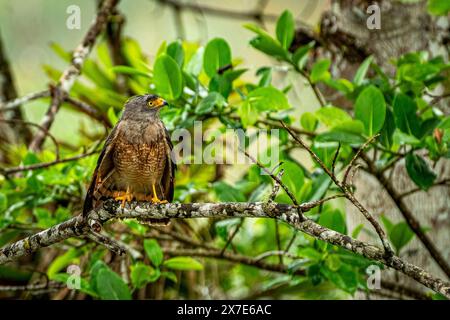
[355, 157]
[388, 250]
[8, 171]
[89, 110]
[412, 191]
[69, 76]
[236, 230]
[43, 130]
[278, 240]
[13, 104]
[336, 154]
[275, 178]
[406, 212]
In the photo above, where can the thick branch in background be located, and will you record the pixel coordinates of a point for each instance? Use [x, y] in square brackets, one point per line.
[78, 226]
[8, 92]
[69, 76]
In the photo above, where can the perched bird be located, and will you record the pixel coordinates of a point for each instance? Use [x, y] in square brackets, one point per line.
[135, 162]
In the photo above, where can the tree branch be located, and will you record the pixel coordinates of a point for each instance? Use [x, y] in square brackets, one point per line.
[8, 171]
[8, 91]
[348, 194]
[69, 76]
[16, 103]
[111, 209]
[412, 222]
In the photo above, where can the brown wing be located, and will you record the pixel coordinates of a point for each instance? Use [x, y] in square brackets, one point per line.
[168, 178]
[105, 166]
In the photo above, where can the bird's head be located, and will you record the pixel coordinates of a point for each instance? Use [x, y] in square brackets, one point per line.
[147, 104]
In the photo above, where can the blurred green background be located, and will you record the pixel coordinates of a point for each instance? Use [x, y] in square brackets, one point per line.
[28, 28]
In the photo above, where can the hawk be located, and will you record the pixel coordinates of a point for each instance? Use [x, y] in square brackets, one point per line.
[135, 162]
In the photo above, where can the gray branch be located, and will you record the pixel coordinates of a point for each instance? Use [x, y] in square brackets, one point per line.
[78, 226]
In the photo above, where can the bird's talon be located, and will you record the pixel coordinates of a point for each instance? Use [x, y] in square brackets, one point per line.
[123, 196]
[157, 201]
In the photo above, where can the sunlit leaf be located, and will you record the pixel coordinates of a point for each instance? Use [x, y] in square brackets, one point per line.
[167, 77]
[285, 29]
[217, 55]
[153, 251]
[183, 263]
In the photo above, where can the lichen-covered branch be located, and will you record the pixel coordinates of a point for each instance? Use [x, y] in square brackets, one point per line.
[412, 222]
[78, 226]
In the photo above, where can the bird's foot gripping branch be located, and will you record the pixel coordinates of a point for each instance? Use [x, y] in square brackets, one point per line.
[80, 226]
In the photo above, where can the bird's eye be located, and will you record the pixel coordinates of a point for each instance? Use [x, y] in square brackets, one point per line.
[150, 103]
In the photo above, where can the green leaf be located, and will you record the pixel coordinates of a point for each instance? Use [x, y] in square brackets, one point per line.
[347, 131]
[62, 261]
[362, 71]
[342, 85]
[247, 115]
[84, 284]
[285, 29]
[93, 272]
[265, 43]
[310, 253]
[226, 193]
[370, 108]
[387, 132]
[207, 104]
[266, 76]
[308, 121]
[3, 202]
[321, 183]
[269, 46]
[221, 84]
[320, 71]
[332, 116]
[223, 227]
[340, 136]
[445, 123]
[183, 263]
[300, 56]
[419, 171]
[439, 7]
[175, 50]
[351, 126]
[170, 275]
[400, 235]
[112, 117]
[357, 230]
[195, 64]
[388, 224]
[267, 99]
[293, 178]
[217, 55]
[110, 286]
[333, 219]
[333, 262]
[141, 274]
[405, 115]
[167, 77]
[130, 71]
[404, 138]
[153, 251]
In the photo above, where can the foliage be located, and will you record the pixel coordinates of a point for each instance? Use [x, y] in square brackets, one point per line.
[205, 83]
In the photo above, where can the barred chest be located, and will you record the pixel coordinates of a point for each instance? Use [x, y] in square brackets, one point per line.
[140, 161]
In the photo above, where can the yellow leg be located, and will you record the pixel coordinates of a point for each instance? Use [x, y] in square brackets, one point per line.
[155, 198]
[123, 196]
